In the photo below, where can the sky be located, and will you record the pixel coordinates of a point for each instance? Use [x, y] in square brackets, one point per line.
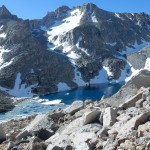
[36, 9]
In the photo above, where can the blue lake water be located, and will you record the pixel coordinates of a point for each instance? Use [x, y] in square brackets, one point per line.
[32, 106]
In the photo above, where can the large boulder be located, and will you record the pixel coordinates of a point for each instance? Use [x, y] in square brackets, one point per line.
[132, 101]
[2, 135]
[80, 140]
[42, 126]
[77, 138]
[42, 121]
[76, 106]
[109, 117]
[91, 116]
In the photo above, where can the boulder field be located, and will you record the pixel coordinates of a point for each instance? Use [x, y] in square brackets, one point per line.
[85, 125]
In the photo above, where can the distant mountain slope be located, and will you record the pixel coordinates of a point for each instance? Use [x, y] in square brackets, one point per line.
[68, 48]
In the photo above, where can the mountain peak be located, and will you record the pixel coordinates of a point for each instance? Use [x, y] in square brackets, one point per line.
[89, 6]
[62, 9]
[5, 13]
[62, 12]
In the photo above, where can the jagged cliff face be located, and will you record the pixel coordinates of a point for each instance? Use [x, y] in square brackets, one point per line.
[26, 62]
[68, 48]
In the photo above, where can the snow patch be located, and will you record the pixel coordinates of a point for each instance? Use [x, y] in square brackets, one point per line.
[2, 63]
[1, 27]
[54, 102]
[2, 51]
[3, 35]
[102, 77]
[147, 64]
[107, 70]
[63, 87]
[19, 90]
[118, 16]
[104, 73]
[6, 64]
[82, 49]
[61, 27]
[44, 28]
[94, 19]
[78, 77]
[73, 55]
[136, 47]
[124, 74]
[134, 72]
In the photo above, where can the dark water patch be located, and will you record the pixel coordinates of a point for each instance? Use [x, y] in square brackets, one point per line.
[30, 107]
[94, 92]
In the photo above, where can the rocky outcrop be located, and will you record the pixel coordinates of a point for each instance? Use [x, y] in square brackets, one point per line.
[6, 102]
[5, 14]
[131, 91]
[138, 59]
[19, 49]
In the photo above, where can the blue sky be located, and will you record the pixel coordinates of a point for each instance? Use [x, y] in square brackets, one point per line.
[34, 9]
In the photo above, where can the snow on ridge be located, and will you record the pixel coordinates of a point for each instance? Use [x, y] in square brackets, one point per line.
[2, 63]
[82, 49]
[118, 16]
[93, 17]
[61, 27]
[78, 77]
[6, 64]
[19, 90]
[2, 51]
[104, 73]
[137, 47]
[67, 24]
[63, 87]
[1, 27]
[2, 35]
[135, 72]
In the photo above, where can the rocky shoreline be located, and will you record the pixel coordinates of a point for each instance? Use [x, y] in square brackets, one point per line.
[6, 102]
[87, 125]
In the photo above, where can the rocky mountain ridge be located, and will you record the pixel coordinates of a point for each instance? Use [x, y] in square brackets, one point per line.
[68, 48]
